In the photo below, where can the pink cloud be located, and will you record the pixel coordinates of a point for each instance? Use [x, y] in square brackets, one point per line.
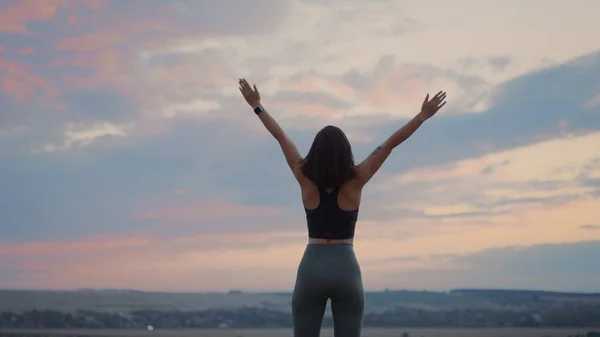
[150, 85]
[85, 260]
[563, 124]
[109, 49]
[310, 83]
[137, 262]
[22, 83]
[390, 89]
[593, 103]
[396, 86]
[100, 53]
[90, 42]
[15, 16]
[220, 261]
[98, 243]
[205, 211]
[313, 83]
[21, 80]
[99, 49]
[305, 109]
[27, 51]
[188, 74]
[72, 18]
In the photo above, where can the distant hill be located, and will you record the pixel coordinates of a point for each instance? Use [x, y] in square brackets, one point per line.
[118, 309]
[526, 293]
[127, 300]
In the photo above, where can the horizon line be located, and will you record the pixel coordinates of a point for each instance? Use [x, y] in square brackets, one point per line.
[242, 291]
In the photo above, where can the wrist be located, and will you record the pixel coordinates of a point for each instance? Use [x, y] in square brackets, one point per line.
[421, 117]
[258, 108]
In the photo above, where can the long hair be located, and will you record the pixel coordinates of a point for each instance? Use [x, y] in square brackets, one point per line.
[329, 162]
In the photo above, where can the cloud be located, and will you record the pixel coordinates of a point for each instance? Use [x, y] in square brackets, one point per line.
[390, 85]
[590, 227]
[83, 135]
[234, 158]
[159, 61]
[136, 258]
[123, 136]
[499, 62]
[497, 188]
[521, 114]
[520, 267]
[204, 212]
[593, 103]
[103, 66]
[17, 14]
[93, 244]
[22, 84]
[178, 262]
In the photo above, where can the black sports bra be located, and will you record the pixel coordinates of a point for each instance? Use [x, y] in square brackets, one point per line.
[328, 221]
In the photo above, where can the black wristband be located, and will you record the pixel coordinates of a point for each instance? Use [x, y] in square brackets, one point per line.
[258, 109]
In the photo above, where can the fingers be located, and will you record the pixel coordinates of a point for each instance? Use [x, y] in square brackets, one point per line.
[438, 98]
[245, 87]
[437, 102]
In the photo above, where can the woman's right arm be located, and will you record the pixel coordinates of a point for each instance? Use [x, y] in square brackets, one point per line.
[292, 156]
[368, 167]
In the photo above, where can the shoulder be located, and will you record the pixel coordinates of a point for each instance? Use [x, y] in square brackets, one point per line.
[298, 170]
[354, 184]
[361, 176]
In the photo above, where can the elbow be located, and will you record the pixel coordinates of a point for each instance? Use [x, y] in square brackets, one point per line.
[280, 137]
[388, 146]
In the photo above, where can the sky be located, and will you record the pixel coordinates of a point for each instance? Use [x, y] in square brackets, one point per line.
[128, 158]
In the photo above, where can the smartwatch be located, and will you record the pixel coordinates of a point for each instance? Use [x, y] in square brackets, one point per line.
[258, 109]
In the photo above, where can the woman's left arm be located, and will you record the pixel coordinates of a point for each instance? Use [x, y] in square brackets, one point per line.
[290, 151]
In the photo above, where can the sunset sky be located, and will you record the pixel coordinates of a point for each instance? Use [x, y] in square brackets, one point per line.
[128, 158]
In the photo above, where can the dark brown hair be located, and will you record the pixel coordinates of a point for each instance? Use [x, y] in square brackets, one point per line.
[329, 162]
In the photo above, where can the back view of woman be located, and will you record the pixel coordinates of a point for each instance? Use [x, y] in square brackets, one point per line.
[331, 186]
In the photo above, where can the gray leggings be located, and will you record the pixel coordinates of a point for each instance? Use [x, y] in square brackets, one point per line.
[328, 271]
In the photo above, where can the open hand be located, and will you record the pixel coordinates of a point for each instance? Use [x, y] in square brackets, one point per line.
[251, 95]
[430, 107]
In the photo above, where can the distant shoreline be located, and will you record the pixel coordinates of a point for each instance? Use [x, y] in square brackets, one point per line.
[283, 292]
[457, 309]
[326, 332]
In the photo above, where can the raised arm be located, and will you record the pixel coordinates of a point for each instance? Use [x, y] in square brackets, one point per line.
[368, 167]
[290, 151]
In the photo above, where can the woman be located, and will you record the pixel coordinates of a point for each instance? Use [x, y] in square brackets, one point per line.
[331, 188]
